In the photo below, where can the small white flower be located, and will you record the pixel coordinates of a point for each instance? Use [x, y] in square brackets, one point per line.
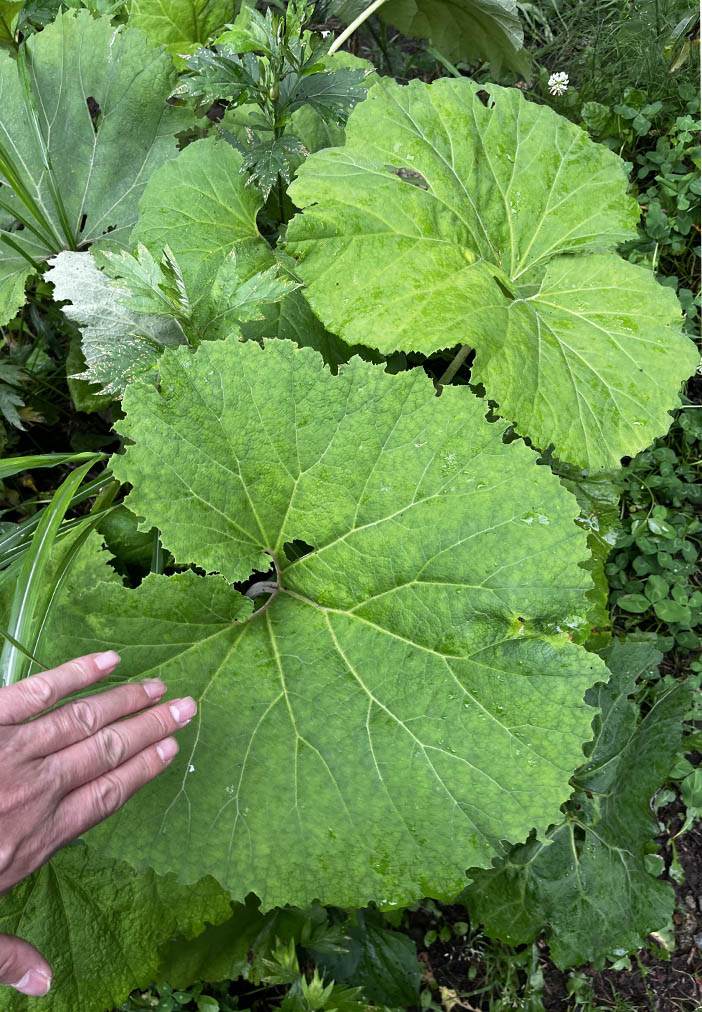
[325, 34]
[558, 83]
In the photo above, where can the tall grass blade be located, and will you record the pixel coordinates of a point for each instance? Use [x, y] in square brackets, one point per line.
[16, 541]
[27, 224]
[23, 650]
[452, 69]
[31, 108]
[19, 548]
[62, 570]
[9, 241]
[14, 180]
[34, 461]
[27, 613]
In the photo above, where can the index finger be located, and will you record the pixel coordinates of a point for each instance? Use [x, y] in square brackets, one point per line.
[33, 695]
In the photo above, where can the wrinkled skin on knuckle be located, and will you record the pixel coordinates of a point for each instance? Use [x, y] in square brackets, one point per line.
[39, 692]
[107, 796]
[83, 716]
[82, 667]
[112, 747]
[160, 726]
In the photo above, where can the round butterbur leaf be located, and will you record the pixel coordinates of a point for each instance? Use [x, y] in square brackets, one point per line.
[402, 692]
[459, 213]
[100, 94]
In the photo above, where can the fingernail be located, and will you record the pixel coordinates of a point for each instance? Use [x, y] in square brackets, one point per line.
[107, 661]
[153, 687]
[183, 710]
[167, 749]
[34, 983]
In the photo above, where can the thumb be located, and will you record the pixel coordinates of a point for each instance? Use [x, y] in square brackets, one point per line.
[22, 967]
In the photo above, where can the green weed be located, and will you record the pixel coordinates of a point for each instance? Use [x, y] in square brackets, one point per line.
[654, 571]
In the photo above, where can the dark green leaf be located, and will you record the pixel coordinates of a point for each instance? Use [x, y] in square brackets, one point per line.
[591, 887]
[656, 588]
[381, 962]
[671, 611]
[634, 602]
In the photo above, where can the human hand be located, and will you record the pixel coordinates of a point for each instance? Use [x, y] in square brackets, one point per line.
[67, 770]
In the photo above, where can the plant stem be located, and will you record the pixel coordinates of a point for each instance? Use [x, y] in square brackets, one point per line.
[157, 554]
[363, 16]
[271, 587]
[453, 367]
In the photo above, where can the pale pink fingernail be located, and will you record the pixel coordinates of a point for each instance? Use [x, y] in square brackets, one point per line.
[34, 983]
[154, 687]
[167, 749]
[183, 710]
[107, 661]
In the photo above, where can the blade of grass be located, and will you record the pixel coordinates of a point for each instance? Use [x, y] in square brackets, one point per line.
[16, 542]
[18, 551]
[29, 599]
[14, 180]
[62, 570]
[33, 461]
[21, 536]
[9, 241]
[22, 650]
[31, 108]
[446, 63]
[106, 495]
[27, 224]
[101, 507]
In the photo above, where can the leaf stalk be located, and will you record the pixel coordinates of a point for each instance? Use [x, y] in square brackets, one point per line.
[453, 368]
[347, 32]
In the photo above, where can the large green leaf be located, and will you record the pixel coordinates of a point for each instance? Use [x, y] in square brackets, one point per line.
[180, 24]
[416, 661]
[200, 206]
[467, 30]
[497, 237]
[470, 30]
[101, 926]
[590, 887]
[100, 166]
